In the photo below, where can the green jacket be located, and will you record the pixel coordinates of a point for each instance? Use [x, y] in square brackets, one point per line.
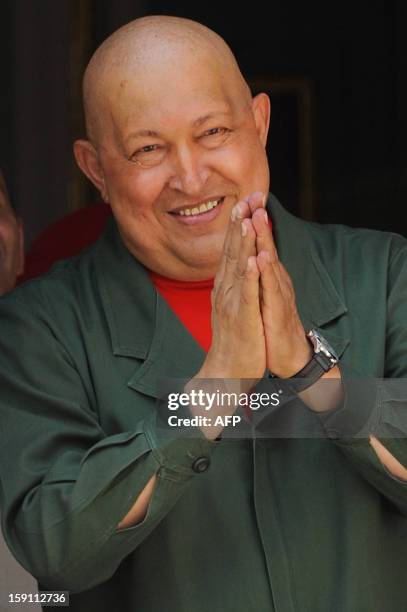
[285, 524]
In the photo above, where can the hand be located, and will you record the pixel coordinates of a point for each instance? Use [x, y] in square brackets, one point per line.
[238, 343]
[287, 348]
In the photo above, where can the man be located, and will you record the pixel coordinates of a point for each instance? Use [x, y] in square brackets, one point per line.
[11, 242]
[95, 498]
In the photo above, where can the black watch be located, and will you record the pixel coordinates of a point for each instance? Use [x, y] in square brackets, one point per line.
[323, 360]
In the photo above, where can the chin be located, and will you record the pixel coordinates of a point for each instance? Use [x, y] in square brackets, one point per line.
[202, 268]
[204, 257]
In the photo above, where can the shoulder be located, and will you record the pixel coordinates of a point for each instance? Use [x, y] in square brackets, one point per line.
[357, 249]
[358, 260]
[57, 295]
[331, 238]
[365, 265]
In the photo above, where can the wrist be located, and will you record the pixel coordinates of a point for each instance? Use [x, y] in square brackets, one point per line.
[332, 373]
[297, 361]
[323, 363]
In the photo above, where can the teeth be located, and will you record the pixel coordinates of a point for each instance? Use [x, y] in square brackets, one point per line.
[202, 208]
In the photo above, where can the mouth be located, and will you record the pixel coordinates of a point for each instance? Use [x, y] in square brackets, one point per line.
[198, 213]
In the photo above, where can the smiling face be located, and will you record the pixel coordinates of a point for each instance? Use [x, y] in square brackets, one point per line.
[183, 143]
[11, 243]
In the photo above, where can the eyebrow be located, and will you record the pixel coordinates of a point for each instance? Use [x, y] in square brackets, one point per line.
[205, 118]
[142, 133]
[196, 123]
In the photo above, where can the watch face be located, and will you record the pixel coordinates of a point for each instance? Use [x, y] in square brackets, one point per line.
[322, 345]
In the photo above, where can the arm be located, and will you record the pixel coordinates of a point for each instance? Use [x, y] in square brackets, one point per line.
[138, 512]
[356, 414]
[331, 399]
[377, 442]
[66, 483]
[388, 460]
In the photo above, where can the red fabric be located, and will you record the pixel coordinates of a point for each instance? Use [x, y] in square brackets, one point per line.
[65, 238]
[191, 302]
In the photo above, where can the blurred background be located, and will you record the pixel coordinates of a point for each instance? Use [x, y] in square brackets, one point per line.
[335, 72]
[336, 76]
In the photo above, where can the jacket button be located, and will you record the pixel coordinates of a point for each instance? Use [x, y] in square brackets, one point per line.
[201, 464]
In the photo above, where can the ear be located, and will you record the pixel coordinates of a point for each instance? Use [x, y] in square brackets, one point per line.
[261, 112]
[88, 161]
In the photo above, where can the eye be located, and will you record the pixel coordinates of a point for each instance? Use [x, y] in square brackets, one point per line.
[149, 155]
[216, 136]
[218, 131]
[148, 149]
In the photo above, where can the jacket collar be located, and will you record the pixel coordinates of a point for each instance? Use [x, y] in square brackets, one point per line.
[318, 301]
[140, 322]
[143, 326]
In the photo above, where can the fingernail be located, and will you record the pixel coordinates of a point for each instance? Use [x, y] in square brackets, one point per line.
[250, 263]
[244, 228]
[236, 212]
[266, 219]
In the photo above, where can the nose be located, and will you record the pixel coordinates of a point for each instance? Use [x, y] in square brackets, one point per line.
[189, 173]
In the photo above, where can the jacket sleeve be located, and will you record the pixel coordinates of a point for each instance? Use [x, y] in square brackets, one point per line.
[65, 483]
[378, 407]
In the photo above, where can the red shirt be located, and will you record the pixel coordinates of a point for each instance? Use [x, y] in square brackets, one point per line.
[191, 302]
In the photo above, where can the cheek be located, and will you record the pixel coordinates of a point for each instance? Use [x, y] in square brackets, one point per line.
[240, 163]
[254, 164]
[134, 190]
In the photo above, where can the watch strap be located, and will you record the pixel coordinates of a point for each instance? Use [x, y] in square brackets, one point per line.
[307, 376]
[311, 372]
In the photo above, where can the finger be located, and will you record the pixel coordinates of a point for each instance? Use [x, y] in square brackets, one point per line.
[264, 239]
[256, 200]
[286, 283]
[247, 249]
[269, 280]
[231, 245]
[249, 294]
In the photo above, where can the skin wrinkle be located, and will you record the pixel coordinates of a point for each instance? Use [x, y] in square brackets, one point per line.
[161, 74]
[125, 50]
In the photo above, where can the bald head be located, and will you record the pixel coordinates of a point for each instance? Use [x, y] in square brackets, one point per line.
[159, 48]
[172, 125]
